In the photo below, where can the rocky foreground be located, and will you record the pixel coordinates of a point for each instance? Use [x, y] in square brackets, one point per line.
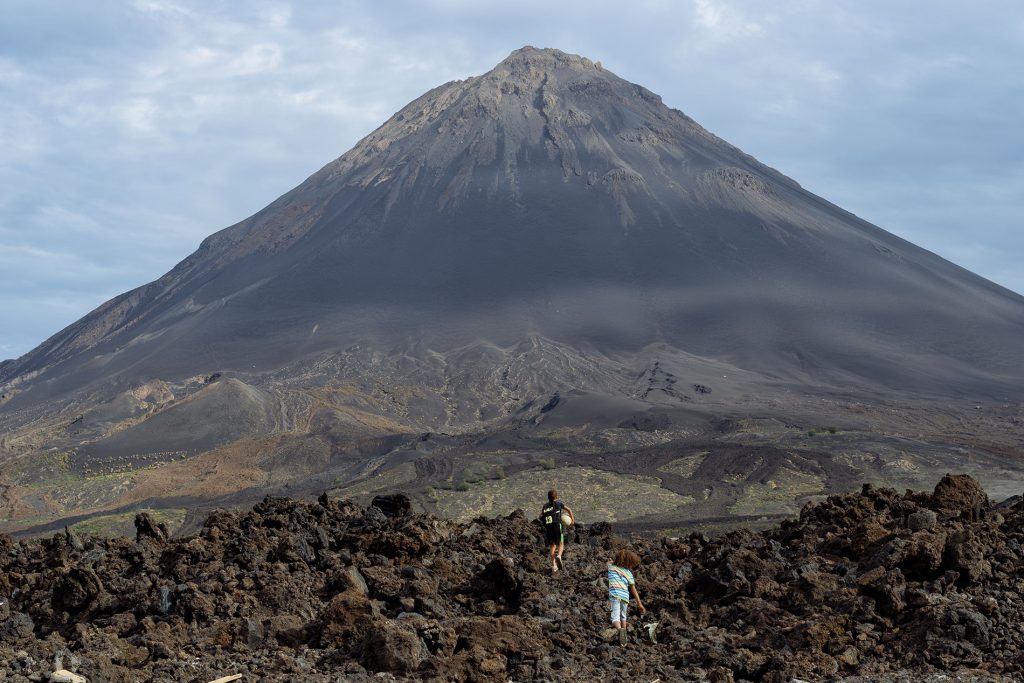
[870, 586]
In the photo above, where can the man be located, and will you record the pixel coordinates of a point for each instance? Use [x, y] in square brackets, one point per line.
[554, 535]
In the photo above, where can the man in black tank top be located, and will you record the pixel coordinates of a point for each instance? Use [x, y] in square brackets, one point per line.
[554, 535]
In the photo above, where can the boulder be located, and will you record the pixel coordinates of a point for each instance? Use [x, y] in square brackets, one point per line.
[345, 621]
[394, 505]
[147, 527]
[394, 647]
[922, 519]
[960, 495]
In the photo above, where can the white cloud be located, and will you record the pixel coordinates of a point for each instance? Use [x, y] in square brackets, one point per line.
[164, 7]
[255, 59]
[138, 114]
[723, 20]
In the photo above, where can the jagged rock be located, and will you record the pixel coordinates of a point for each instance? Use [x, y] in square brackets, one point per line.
[17, 627]
[73, 540]
[355, 581]
[395, 647]
[962, 495]
[287, 629]
[887, 587]
[383, 582]
[251, 633]
[847, 588]
[75, 589]
[147, 527]
[346, 620]
[966, 554]
[374, 517]
[922, 519]
[394, 505]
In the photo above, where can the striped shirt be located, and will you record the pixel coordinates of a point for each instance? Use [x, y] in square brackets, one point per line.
[619, 581]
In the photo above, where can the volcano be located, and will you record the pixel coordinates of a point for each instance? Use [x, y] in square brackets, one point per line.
[543, 244]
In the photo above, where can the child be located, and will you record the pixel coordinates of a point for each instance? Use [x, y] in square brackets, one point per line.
[620, 585]
[554, 534]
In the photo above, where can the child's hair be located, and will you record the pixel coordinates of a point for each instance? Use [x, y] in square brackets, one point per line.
[627, 558]
[552, 495]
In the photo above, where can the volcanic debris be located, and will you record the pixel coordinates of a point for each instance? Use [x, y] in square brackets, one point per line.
[866, 584]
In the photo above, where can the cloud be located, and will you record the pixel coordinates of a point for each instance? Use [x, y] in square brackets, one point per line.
[723, 20]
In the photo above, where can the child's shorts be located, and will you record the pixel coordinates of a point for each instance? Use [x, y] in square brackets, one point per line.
[620, 608]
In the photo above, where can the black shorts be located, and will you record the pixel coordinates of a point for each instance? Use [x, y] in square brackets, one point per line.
[553, 535]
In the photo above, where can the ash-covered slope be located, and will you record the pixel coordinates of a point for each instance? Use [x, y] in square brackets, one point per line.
[549, 199]
[876, 584]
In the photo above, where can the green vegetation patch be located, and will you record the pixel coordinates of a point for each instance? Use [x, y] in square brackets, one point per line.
[123, 524]
[386, 482]
[44, 469]
[92, 492]
[780, 495]
[685, 466]
[594, 495]
[606, 440]
[477, 472]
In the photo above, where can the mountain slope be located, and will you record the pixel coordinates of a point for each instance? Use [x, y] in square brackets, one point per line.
[546, 234]
[551, 198]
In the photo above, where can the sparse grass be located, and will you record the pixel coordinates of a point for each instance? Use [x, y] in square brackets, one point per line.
[607, 440]
[546, 463]
[594, 495]
[500, 453]
[479, 472]
[90, 492]
[45, 470]
[685, 466]
[379, 482]
[778, 495]
[124, 523]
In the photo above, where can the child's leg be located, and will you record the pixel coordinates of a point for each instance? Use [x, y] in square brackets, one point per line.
[623, 610]
[615, 602]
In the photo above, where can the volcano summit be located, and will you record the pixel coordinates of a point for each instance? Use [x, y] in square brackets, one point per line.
[540, 266]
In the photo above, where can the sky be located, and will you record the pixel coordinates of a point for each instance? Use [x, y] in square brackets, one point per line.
[131, 130]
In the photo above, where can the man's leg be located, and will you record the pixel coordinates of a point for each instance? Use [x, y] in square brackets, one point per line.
[561, 549]
[553, 548]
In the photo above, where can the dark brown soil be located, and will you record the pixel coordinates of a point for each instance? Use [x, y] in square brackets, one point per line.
[876, 584]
